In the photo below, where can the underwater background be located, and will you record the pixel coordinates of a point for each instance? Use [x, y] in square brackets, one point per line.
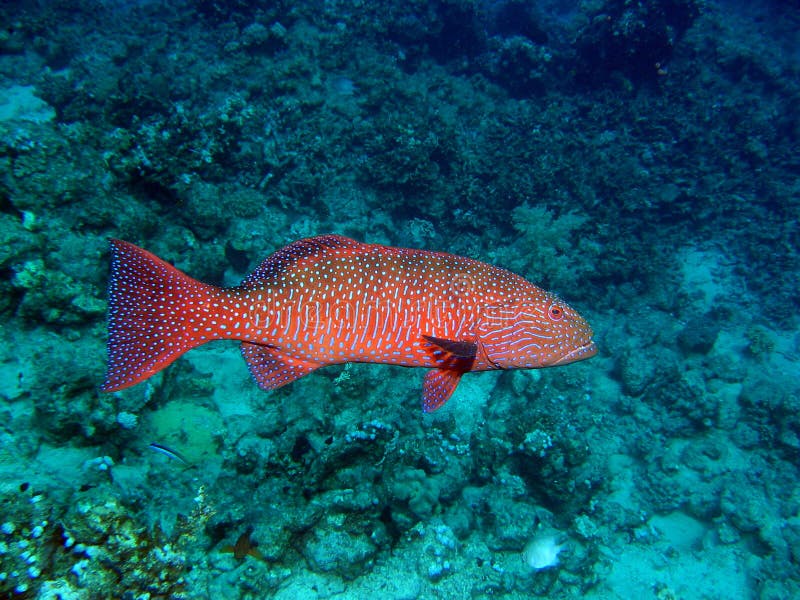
[641, 159]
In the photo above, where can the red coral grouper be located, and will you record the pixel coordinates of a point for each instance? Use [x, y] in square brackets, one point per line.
[328, 300]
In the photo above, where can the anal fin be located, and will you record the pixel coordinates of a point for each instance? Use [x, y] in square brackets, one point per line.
[438, 387]
[272, 368]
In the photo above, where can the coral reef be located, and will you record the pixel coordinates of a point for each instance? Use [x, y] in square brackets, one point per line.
[638, 158]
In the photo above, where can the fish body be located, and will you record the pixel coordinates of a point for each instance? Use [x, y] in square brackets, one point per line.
[169, 453]
[244, 546]
[329, 300]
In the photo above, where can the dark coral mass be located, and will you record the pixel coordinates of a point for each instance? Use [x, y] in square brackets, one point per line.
[634, 39]
[638, 159]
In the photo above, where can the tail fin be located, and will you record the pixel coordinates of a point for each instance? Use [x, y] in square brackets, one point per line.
[155, 314]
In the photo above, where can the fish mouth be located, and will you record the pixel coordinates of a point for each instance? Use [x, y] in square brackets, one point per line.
[587, 350]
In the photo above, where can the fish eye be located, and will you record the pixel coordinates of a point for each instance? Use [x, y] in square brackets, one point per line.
[555, 312]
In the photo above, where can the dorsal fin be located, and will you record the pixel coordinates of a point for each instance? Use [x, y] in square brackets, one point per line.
[284, 259]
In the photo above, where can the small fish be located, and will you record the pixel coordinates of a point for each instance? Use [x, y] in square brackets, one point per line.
[244, 546]
[329, 300]
[173, 454]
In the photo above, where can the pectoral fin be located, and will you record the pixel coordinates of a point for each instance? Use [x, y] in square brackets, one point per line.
[456, 349]
[439, 386]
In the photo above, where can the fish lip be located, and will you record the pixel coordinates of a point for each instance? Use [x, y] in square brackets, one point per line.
[585, 351]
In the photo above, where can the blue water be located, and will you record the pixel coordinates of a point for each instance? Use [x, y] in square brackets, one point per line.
[638, 159]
